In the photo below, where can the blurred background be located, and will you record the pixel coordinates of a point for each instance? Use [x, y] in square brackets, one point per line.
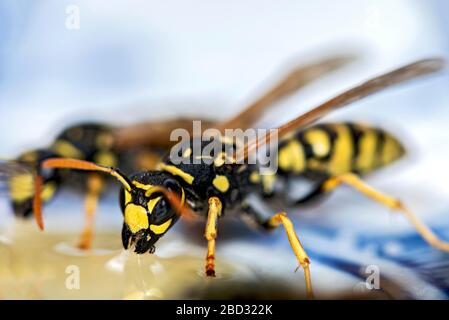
[121, 62]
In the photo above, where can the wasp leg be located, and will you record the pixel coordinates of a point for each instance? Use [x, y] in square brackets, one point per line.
[258, 212]
[94, 187]
[298, 249]
[210, 234]
[354, 181]
[37, 202]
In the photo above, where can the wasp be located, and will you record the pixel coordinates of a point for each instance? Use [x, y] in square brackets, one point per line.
[95, 142]
[152, 201]
[134, 147]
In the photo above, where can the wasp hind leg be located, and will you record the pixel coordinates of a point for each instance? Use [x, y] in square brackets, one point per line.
[210, 234]
[258, 212]
[94, 187]
[355, 182]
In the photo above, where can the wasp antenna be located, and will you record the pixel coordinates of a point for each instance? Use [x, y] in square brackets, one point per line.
[65, 163]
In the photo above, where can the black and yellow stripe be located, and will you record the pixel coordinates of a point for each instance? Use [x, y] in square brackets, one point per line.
[337, 148]
[89, 141]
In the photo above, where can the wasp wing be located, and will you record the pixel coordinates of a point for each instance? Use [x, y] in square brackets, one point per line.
[400, 75]
[16, 177]
[155, 134]
[294, 80]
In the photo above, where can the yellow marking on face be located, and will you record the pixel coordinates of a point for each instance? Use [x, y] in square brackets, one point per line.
[254, 177]
[128, 197]
[66, 149]
[268, 181]
[152, 203]
[136, 217]
[21, 187]
[177, 172]
[292, 157]
[104, 140]
[341, 160]
[105, 158]
[142, 186]
[221, 183]
[187, 153]
[162, 228]
[319, 140]
[48, 191]
[365, 161]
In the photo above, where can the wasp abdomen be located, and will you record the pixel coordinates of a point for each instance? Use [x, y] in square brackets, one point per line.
[336, 148]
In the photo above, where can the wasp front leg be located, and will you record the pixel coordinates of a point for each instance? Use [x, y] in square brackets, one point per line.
[257, 210]
[95, 185]
[210, 233]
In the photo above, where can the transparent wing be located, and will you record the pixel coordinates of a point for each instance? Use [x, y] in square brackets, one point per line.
[298, 77]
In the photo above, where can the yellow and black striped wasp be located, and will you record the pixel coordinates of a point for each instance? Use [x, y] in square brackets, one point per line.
[152, 201]
[135, 147]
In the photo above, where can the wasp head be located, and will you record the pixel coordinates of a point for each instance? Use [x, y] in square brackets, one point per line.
[147, 212]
